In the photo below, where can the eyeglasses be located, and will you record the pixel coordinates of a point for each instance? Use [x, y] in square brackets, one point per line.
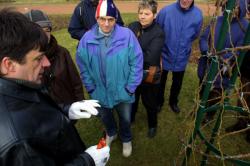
[104, 20]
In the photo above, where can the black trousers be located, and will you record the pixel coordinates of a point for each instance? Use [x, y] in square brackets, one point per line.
[245, 120]
[177, 79]
[148, 94]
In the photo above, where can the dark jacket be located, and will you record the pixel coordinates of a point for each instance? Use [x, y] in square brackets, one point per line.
[83, 19]
[245, 67]
[34, 131]
[151, 40]
[62, 78]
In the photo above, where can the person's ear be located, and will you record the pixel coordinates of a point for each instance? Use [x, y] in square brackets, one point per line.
[7, 65]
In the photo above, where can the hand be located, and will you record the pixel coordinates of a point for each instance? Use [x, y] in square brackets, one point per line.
[206, 54]
[129, 93]
[226, 70]
[83, 109]
[100, 156]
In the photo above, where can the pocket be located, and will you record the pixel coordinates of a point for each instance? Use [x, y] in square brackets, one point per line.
[98, 94]
[122, 95]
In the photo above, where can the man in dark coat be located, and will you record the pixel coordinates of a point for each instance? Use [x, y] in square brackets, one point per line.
[33, 129]
[83, 18]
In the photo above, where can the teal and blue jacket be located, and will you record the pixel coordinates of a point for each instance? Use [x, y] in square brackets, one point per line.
[110, 77]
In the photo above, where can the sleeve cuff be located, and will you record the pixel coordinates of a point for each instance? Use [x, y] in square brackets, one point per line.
[91, 89]
[129, 93]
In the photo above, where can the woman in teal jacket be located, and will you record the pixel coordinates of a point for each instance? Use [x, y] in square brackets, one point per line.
[110, 60]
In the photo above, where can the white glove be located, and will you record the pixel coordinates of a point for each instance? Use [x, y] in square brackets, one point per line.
[83, 109]
[100, 156]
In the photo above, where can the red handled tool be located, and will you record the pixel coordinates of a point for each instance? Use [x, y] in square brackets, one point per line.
[102, 143]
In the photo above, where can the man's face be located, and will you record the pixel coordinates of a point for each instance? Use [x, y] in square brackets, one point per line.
[146, 17]
[236, 12]
[106, 23]
[185, 4]
[33, 68]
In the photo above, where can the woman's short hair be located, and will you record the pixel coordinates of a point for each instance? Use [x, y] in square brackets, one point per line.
[148, 4]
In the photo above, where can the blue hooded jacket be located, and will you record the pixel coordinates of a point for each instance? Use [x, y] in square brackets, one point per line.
[181, 28]
[234, 38]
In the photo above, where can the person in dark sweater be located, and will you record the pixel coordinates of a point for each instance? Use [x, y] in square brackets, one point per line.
[151, 39]
[61, 78]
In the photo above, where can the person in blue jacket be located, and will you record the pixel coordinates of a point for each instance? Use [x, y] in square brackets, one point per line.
[110, 60]
[234, 38]
[181, 22]
[83, 18]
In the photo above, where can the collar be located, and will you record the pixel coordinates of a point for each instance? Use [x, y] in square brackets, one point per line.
[149, 27]
[23, 90]
[103, 33]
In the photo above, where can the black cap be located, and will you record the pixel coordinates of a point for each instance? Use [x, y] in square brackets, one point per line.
[39, 17]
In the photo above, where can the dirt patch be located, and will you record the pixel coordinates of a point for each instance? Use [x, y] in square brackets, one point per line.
[124, 7]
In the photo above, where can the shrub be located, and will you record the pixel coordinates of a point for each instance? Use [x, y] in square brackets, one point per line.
[59, 21]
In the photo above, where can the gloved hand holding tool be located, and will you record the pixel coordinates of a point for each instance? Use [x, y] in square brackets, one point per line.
[99, 153]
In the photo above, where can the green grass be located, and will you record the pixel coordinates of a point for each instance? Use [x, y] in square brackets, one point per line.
[128, 17]
[166, 147]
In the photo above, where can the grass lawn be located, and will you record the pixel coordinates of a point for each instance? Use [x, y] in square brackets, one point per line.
[166, 149]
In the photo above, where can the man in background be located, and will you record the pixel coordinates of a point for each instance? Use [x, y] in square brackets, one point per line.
[181, 22]
[83, 18]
